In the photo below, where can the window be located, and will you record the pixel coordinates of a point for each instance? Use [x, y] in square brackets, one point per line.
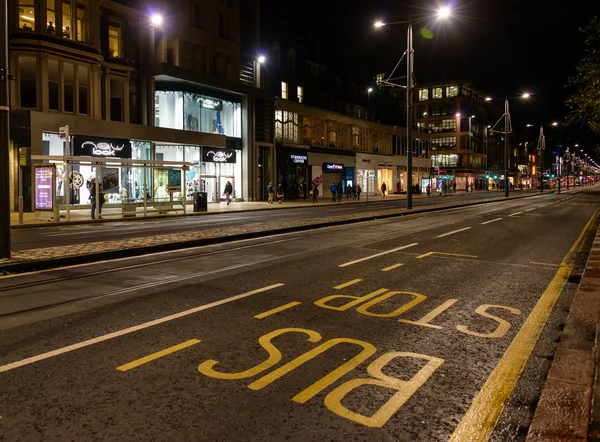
[27, 81]
[447, 125]
[332, 134]
[452, 160]
[443, 143]
[81, 23]
[451, 91]
[53, 82]
[69, 87]
[306, 131]
[83, 88]
[114, 40]
[222, 26]
[286, 126]
[66, 20]
[284, 90]
[436, 93]
[300, 94]
[195, 19]
[442, 109]
[27, 14]
[51, 16]
[423, 94]
[116, 99]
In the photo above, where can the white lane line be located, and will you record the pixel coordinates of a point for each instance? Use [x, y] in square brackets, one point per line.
[453, 232]
[377, 254]
[69, 348]
[492, 221]
[533, 208]
[515, 214]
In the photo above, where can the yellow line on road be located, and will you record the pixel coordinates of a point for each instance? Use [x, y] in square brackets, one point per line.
[445, 254]
[277, 310]
[158, 354]
[347, 284]
[483, 414]
[395, 266]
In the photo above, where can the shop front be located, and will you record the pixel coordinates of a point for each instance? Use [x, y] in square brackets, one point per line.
[327, 169]
[374, 170]
[292, 172]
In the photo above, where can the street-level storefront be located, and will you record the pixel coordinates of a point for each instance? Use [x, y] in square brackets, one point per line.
[373, 170]
[292, 172]
[326, 169]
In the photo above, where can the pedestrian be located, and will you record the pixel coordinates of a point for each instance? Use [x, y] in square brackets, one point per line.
[454, 186]
[383, 189]
[471, 187]
[428, 190]
[280, 194]
[358, 191]
[228, 192]
[315, 192]
[92, 187]
[467, 187]
[270, 191]
[333, 192]
[340, 191]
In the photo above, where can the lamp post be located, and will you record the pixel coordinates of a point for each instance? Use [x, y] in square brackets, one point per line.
[443, 13]
[260, 60]
[4, 134]
[155, 22]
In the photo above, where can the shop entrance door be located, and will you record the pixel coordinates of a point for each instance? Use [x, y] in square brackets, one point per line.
[208, 184]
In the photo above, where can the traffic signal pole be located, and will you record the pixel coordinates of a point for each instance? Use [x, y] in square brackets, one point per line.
[4, 135]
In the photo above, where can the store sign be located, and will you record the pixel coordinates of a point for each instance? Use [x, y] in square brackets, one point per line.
[299, 159]
[101, 147]
[384, 164]
[208, 103]
[44, 182]
[333, 167]
[365, 160]
[214, 155]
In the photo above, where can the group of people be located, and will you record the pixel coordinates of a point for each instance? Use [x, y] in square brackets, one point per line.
[351, 192]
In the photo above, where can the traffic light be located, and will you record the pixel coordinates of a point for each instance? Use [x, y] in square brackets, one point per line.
[495, 176]
[487, 175]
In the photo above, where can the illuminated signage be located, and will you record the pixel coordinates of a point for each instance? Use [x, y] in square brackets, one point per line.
[44, 187]
[299, 159]
[214, 155]
[209, 103]
[101, 147]
[333, 167]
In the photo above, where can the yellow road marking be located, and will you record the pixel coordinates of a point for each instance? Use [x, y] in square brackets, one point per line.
[515, 214]
[157, 355]
[483, 414]
[347, 284]
[277, 310]
[395, 266]
[445, 254]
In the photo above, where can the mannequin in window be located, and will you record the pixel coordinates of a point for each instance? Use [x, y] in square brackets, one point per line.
[50, 27]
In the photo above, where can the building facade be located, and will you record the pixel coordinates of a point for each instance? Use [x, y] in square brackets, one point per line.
[464, 149]
[164, 95]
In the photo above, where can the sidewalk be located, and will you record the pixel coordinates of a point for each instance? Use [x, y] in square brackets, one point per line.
[83, 216]
[36, 259]
[569, 407]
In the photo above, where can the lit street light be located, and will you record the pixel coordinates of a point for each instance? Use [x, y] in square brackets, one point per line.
[156, 19]
[261, 59]
[555, 123]
[443, 13]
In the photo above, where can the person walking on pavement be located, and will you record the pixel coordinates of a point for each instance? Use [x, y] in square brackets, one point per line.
[428, 190]
[315, 192]
[383, 189]
[270, 192]
[92, 186]
[228, 192]
[358, 191]
[280, 194]
[333, 192]
[454, 186]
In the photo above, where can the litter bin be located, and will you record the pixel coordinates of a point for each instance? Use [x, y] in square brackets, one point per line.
[200, 202]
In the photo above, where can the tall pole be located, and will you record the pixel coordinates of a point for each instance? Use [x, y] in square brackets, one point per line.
[542, 144]
[4, 135]
[506, 148]
[409, 88]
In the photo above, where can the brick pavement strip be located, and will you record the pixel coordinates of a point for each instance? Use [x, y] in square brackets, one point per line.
[564, 412]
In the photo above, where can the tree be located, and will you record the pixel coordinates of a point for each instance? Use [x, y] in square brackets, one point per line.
[584, 102]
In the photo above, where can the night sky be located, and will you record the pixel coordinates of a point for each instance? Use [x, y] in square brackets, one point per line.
[504, 46]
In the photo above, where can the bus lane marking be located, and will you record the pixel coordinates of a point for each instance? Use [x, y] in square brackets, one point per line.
[392, 267]
[515, 214]
[453, 232]
[277, 310]
[425, 255]
[482, 416]
[377, 255]
[158, 355]
[347, 284]
[119, 333]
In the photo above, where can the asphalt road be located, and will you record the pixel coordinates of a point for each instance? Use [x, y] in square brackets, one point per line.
[23, 239]
[416, 328]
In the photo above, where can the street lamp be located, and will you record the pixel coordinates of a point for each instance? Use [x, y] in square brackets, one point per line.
[4, 135]
[260, 60]
[443, 13]
[156, 20]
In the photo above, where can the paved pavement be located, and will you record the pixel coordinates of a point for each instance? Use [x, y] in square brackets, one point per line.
[86, 242]
[428, 327]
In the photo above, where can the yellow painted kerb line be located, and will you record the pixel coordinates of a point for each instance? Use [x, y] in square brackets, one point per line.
[483, 414]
